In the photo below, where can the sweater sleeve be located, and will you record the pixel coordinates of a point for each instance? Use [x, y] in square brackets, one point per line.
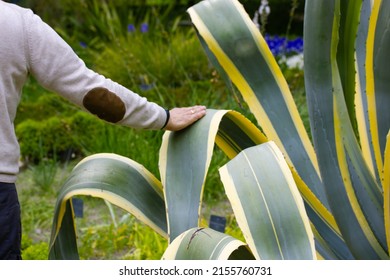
[57, 67]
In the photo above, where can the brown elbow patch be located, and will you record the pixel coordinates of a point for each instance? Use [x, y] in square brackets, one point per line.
[105, 104]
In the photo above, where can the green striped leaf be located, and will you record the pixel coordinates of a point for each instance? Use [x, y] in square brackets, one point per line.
[244, 55]
[232, 132]
[206, 244]
[353, 193]
[185, 158]
[386, 189]
[361, 102]
[267, 204]
[349, 20]
[378, 88]
[118, 180]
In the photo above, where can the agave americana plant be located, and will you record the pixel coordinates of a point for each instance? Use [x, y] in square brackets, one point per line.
[294, 195]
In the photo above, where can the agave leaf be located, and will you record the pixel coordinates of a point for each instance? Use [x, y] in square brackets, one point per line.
[241, 50]
[349, 19]
[185, 158]
[386, 189]
[244, 55]
[378, 77]
[373, 98]
[361, 103]
[63, 243]
[267, 204]
[118, 180]
[353, 193]
[183, 190]
[206, 244]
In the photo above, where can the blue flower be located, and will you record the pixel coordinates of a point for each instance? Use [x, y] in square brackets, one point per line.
[130, 28]
[146, 87]
[144, 27]
[83, 45]
[280, 45]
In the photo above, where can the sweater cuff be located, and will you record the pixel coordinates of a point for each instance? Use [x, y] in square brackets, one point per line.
[167, 120]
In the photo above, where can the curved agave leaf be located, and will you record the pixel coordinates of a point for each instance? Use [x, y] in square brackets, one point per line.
[185, 158]
[267, 204]
[206, 244]
[244, 55]
[237, 45]
[354, 195]
[183, 188]
[117, 179]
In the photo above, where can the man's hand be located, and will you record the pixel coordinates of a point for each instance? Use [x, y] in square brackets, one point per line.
[182, 117]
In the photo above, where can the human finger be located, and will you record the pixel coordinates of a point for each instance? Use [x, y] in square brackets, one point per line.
[180, 118]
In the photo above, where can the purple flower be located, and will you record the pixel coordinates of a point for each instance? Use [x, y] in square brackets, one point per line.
[130, 28]
[144, 27]
[83, 45]
[280, 45]
[146, 87]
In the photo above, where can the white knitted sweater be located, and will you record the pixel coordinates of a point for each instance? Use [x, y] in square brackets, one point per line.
[29, 46]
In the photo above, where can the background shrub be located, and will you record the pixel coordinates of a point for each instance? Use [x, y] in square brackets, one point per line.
[43, 139]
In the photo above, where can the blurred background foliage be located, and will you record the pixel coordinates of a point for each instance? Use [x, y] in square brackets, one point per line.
[71, 13]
